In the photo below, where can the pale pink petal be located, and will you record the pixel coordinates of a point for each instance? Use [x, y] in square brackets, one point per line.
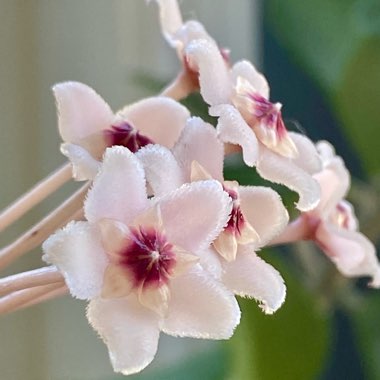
[264, 210]
[184, 261]
[210, 262]
[326, 150]
[119, 190]
[84, 165]
[195, 214]
[81, 111]
[279, 169]
[190, 31]
[159, 118]
[170, 19]
[353, 254]
[250, 276]
[76, 250]
[334, 181]
[215, 85]
[162, 171]
[233, 129]
[117, 282]
[129, 330]
[308, 158]
[199, 142]
[200, 307]
[246, 70]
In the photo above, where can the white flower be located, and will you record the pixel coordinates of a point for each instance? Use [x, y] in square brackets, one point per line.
[87, 125]
[136, 260]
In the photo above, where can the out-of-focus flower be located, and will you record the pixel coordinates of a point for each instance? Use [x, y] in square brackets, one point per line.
[87, 125]
[335, 225]
[136, 260]
[257, 214]
[239, 97]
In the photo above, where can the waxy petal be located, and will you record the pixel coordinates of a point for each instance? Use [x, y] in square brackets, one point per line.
[250, 276]
[77, 252]
[85, 167]
[162, 171]
[195, 214]
[81, 111]
[264, 211]
[278, 169]
[204, 56]
[117, 282]
[353, 254]
[211, 263]
[114, 236]
[129, 330]
[199, 142]
[226, 245]
[119, 189]
[155, 298]
[246, 70]
[159, 118]
[200, 307]
[308, 158]
[233, 129]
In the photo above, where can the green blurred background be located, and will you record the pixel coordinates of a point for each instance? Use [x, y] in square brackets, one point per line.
[322, 60]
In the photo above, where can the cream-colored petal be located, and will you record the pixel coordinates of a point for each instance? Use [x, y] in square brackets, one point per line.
[282, 170]
[114, 235]
[118, 191]
[129, 330]
[250, 276]
[233, 129]
[248, 235]
[205, 57]
[199, 142]
[226, 245]
[76, 250]
[200, 307]
[155, 298]
[159, 118]
[264, 211]
[118, 282]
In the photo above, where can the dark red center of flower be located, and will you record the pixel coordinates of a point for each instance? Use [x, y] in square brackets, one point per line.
[268, 113]
[149, 257]
[236, 221]
[125, 135]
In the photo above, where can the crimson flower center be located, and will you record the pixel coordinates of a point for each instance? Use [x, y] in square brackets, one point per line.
[125, 135]
[236, 221]
[149, 257]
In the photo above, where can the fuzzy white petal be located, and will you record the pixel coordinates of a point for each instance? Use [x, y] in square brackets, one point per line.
[76, 250]
[129, 330]
[119, 190]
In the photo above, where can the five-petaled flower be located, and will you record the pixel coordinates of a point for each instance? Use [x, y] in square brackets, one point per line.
[137, 261]
[88, 126]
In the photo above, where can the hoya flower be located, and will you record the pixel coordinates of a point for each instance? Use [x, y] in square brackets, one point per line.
[239, 97]
[88, 126]
[136, 260]
[257, 214]
[335, 227]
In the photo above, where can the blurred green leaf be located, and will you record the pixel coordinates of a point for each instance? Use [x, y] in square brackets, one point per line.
[338, 43]
[291, 344]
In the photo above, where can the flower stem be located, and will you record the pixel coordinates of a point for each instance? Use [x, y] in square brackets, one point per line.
[39, 232]
[34, 196]
[28, 297]
[297, 230]
[182, 86]
[30, 279]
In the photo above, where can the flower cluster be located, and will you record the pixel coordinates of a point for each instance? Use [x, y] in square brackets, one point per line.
[166, 243]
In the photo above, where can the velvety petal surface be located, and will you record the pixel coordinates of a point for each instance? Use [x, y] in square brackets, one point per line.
[250, 276]
[264, 211]
[162, 171]
[77, 252]
[195, 214]
[81, 111]
[159, 118]
[199, 142]
[279, 169]
[85, 167]
[214, 80]
[119, 190]
[201, 307]
[233, 129]
[129, 330]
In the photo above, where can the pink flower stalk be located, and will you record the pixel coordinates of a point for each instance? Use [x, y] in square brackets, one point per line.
[239, 97]
[137, 261]
[257, 214]
[333, 224]
[88, 126]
